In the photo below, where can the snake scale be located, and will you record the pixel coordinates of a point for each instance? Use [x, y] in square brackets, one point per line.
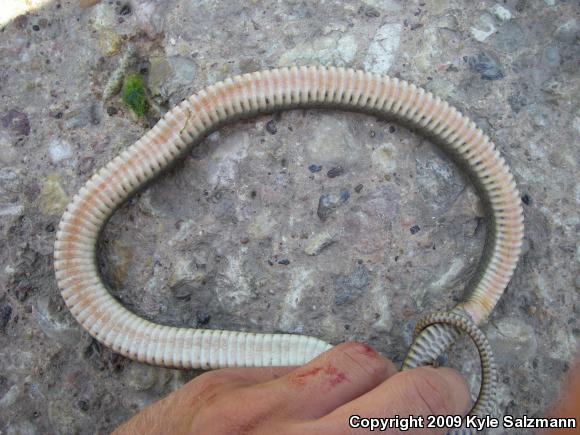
[269, 91]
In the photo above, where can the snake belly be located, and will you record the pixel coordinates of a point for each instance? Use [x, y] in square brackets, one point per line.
[244, 96]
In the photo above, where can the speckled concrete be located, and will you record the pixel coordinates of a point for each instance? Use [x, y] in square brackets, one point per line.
[332, 224]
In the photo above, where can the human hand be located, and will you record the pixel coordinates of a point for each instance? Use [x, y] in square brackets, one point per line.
[319, 397]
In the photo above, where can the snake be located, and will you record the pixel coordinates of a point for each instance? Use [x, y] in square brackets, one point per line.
[263, 92]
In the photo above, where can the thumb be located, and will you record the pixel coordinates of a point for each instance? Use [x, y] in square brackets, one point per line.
[428, 391]
[422, 392]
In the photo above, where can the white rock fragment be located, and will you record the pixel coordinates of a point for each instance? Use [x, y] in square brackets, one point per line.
[513, 337]
[501, 13]
[318, 243]
[12, 210]
[11, 396]
[483, 28]
[430, 50]
[8, 153]
[387, 5]
[327, 50]
[577, 124]
[383, 48]
[59, 150]
[383, 160]
[301, 280]
[332, 142]
[172, 76]
[550, 2]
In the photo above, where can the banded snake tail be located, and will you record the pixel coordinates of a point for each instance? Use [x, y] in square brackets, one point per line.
[245, 96]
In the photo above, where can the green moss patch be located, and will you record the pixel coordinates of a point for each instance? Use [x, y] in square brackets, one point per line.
[134, 94]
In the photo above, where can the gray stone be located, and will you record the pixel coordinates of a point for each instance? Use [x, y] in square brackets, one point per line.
[141, 377]
[23, 428]
[8, 152]
[483, 27]
[324, 51]
[509, 38]
[16, 121]
[487, 67]
[383, 48]
[54, 324]
[513, 337]
[59, 150]
[568, 32]
[13, 210]
[331, 143]
[81, 117]
[386, 5]
[437, 179]
[171, 78]
[551, 57]
[65, 418]
[328, 202]
[501, 13]
[11, 396]
[319, 242]
[349, 287]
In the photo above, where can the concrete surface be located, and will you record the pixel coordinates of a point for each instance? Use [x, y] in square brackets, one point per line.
[251, 231]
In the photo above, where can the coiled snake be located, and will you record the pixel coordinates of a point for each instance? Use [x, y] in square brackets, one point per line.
[263, 92]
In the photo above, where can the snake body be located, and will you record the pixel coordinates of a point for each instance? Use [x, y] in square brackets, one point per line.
[244, 96]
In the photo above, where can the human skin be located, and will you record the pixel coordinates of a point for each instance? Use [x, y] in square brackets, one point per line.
[568, 404]
[316, 398]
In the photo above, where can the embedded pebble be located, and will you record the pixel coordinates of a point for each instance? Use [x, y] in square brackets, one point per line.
[383, 157]
[486, 67]
[271, 127]
[5, 314]
[171, 76]
[54, 324]
[318, 243]
[568, 32]
[501, 13]
[387, 5]
[53, 199]
[15, 210]
[335, 172]
[59, 150]
[349, 287]
[509, 38]
[512, 336]
[526, 246]
[383, 48]
[332, 142]
[16, 121]
[329, 202]
[483, 28]
[325, 50]
[11, 396]
[141, 377]
[81, 117]
[315, 168]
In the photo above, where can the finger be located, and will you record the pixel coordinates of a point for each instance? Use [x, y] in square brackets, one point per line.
[419, 392]
[253, 375]
[177, 410]
[336, 377]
